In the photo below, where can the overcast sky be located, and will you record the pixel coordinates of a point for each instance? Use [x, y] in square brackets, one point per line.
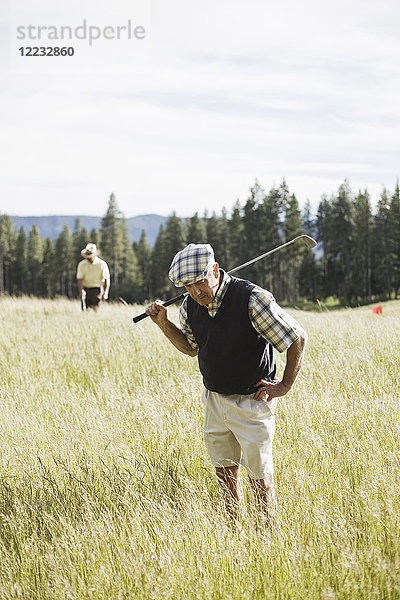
[218, 93]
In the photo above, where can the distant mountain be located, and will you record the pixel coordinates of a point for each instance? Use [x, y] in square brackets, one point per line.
[52, 225]
[150, 223]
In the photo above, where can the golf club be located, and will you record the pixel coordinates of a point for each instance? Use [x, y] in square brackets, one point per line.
[309, 242]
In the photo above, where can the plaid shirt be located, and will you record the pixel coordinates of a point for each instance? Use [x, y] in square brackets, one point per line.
[274, 324]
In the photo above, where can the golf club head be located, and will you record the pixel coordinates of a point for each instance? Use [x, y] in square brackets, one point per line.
[309, 241]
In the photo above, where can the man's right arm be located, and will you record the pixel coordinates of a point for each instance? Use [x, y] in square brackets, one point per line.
[79, 277]
[158, 314]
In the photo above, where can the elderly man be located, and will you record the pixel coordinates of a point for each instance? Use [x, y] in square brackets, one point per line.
[232, 325]
[93, 278]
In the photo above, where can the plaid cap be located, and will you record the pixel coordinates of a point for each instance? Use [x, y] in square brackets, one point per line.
[191, 264]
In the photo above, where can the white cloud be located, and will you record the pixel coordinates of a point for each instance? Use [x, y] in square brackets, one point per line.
[225, 92]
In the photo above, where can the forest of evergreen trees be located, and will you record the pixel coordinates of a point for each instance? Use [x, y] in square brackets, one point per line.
[357, 259]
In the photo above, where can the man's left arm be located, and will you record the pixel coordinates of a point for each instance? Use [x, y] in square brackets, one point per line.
[106, 289]
[107, 281]
[284, 333]
[267, 390]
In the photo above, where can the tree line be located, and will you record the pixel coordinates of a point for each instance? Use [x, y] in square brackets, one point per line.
[357, 259]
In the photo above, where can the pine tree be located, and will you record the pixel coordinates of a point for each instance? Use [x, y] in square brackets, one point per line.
[35, 257]
[114, 244]
[361, 253]
[268, 228]
[174, 240]
[309, 223]
[131, 283]
[309, 273]
[94, 238]
[217, 236]
[394, 238]
[160, 261]
[343, 234]
[80, 238]
[65, 268]
[143, 254]
[251, 231]
[20, 263]
[48, 277]
[293, 226]
[381, 249]
[7, 250]
[324, 227]
[175, 235]
[196, 230]
[310, 285]
[235, 237]
[224, 251]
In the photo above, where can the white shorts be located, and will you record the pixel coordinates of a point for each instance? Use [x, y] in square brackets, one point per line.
[239, 430]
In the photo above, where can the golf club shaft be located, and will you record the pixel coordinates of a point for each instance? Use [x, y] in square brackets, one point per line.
[310, 242]
[253, 260]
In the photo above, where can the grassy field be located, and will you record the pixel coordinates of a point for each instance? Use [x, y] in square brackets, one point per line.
[106, 491]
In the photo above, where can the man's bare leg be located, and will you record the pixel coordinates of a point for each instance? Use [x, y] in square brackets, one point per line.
[264, 494]
[228, 478]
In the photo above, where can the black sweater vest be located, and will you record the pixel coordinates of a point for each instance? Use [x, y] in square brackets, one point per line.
[232, 355]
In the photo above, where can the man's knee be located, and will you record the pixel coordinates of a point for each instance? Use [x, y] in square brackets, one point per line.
[228, 478]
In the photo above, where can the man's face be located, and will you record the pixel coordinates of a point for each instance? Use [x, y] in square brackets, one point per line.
[90, 258]
[204, 291]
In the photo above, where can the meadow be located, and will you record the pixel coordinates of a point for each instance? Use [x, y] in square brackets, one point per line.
[106, 491]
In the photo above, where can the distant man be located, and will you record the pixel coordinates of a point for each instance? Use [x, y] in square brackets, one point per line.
[93, 278]
[232, 325]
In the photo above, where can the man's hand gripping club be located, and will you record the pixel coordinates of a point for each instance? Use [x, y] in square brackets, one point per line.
[158, 314]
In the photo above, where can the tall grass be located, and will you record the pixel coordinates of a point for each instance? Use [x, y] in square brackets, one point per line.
[106, 491]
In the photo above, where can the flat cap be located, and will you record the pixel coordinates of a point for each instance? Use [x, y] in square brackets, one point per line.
[191, 264]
